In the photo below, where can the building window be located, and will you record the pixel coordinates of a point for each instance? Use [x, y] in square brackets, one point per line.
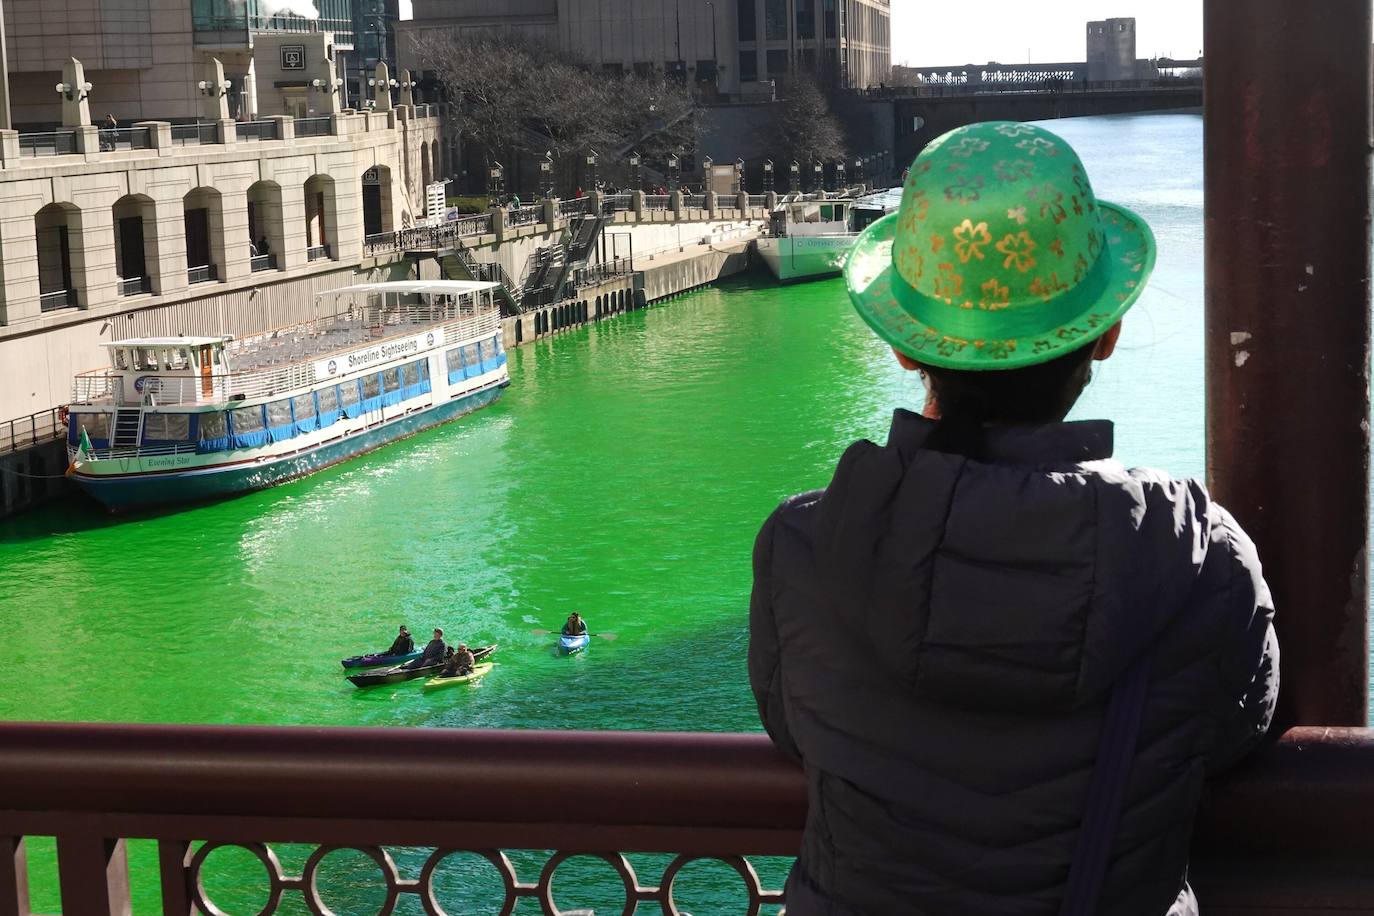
[777, 63]
[644, 69]
[775, 20]
[806, 19]
[675, 70]
[748, 31]
[828, 8]
[806, 59]
[615, 70]
[748, 67]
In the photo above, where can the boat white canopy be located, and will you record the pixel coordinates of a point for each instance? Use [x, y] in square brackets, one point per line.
[170, 341]
[413, 287]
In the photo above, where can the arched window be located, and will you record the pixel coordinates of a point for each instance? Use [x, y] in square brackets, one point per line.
[135, 234]
[266, 226]
[61, 257]
[321, 218]
[203, 215]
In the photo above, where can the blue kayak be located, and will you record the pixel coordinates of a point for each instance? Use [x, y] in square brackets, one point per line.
[569, 645]
[372, 661]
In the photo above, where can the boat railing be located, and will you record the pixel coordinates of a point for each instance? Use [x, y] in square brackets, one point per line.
[138, 451]
[106, 385]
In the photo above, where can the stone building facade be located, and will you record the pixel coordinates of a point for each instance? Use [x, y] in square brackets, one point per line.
[732, 48]
[174, 239]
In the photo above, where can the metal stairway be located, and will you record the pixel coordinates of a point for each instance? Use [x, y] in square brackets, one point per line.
[128, 427]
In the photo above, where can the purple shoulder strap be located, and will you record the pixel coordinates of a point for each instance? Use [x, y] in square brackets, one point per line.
[1107, 791]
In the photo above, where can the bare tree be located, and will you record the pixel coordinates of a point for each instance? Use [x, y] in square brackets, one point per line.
[805, 128]
[513, 96]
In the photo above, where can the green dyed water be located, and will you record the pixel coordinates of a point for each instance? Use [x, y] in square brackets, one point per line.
[624, 474]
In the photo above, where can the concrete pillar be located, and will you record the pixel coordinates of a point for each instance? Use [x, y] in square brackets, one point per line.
[710, 204]
[76, 111]
[291, 253]
[770, 200]
[742, 202]
[551, 214]
[675, 205]
[17, 209]
[9, 148]
[407, 90]
[347, 243]
[87, 141]
[498, 223]
[226, 131]
[637, 201]
[214, 96]
[338, 124]
[94, 272]
[595, 202]
[286, 126]
[234, 230]
[381, 87]
[159, 135]
[169, 236]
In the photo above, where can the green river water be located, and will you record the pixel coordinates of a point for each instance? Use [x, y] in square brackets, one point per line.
[624, 474]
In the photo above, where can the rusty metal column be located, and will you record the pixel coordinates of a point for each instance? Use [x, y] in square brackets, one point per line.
[1288, 257]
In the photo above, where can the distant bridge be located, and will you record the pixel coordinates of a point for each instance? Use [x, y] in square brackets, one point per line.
[924, 113]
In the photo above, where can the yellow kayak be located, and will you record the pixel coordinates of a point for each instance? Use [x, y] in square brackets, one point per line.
[478, 672]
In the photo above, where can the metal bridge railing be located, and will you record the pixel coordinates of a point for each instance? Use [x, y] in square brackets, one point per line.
[34, 429]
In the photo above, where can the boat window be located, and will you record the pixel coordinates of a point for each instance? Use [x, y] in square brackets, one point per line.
[279, 413]
[391, 379]
[371, 387]
[412, 374]
[839, 212]
[496, 342]
[97, 425]
[121, 360]
[176, 358]
[247, 420]
[329, 399]
[166, 427]
[213, 426]
[454, 359]
[470, 355]
[304, 405]
[827, 213]
[348, 394]
[422, 367]
[145, 359]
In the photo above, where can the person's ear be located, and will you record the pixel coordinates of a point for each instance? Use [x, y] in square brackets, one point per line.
[906, 362]
[1106, 344]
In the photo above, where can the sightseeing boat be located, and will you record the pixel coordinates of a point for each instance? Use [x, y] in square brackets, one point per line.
[811, 237]
[184, 419]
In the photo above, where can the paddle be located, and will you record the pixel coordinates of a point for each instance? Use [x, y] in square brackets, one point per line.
[609, 637]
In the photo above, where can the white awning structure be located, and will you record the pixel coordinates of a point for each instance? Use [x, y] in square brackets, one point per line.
[412, 287]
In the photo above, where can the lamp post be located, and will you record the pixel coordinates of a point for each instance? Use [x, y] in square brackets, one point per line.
[715, 58]
[839, 174]
[674, 171]
[739, 175]
[859, 170]
[817, 175]
[637, 171]
[496, 180]
[767, 176]
[546, 175]
[706, 165]
[794, 178]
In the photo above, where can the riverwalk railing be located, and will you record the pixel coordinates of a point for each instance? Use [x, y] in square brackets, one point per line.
[694, 201]
[47, 143]
[1286, 833]
[34, 429]
[198, 134]
[574, 206]
[657, 201]
[599, 273]
[444, 235]
[524, 216]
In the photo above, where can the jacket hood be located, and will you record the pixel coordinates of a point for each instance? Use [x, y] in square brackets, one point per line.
[1026, 580]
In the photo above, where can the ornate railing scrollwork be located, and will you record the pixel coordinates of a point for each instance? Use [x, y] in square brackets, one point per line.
[541, 891]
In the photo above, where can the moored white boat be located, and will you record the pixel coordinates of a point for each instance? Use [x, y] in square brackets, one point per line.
[184, 419]
[811, 237]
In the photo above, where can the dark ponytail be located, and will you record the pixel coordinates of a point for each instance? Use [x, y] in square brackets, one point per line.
[969, 400]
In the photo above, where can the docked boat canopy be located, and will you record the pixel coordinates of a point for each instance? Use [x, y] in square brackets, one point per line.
[414, 287]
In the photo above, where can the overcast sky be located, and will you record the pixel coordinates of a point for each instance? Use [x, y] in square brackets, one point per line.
[932, 34]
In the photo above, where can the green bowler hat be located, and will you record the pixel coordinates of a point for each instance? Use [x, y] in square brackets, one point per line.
[1000, 256]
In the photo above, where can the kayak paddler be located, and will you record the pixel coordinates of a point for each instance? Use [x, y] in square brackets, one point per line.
[404, 644]
[460, 662]
[575, 626]
[434, 651]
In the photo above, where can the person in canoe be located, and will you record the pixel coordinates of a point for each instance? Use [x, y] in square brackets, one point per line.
[404, 644]
[575, 626]
[460, 662]
[434, 651]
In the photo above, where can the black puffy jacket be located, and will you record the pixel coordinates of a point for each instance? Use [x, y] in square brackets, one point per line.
[935, 639]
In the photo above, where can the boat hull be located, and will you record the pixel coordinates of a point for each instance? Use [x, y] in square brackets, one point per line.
[377, 660]
[478, 672]
[570, 645]
[791, 258]
[141, 490]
